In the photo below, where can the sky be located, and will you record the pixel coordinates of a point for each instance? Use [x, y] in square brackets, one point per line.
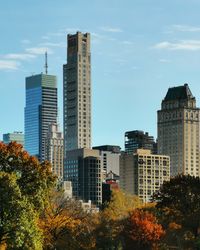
[139, 48]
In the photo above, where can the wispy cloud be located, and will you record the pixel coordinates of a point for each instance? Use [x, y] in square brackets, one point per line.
[23, 57]
[96, 38]
[126, 42]
[9, 65]
[50, 44]
[185, 28]
[162, 60]
[111, 29]
[192, 45]
[38, 50]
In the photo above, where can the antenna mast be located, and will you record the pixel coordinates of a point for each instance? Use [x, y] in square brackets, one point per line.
[46, 64]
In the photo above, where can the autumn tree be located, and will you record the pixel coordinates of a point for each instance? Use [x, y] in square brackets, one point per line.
[108, 231]
[121, 204]
[34, 178]
[65, 225]
[24, 188]
[141, 230]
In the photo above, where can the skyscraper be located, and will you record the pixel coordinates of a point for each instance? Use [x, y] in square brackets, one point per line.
[178, 130]
[82, 165]
[77, 93]
[40, 111]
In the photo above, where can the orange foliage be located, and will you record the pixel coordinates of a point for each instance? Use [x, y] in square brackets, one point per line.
[174, 226]
[143, 227]
[56, 225]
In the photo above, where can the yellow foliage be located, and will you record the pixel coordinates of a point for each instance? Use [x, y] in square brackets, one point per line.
[120, 205]
[3, 246]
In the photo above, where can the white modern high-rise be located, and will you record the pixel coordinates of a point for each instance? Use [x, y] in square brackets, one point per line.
[178, 131]
[77, 93]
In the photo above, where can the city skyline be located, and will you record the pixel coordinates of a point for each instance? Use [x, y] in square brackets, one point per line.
[129, 54]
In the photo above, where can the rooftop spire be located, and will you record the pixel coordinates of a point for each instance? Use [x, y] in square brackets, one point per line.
[46, 64]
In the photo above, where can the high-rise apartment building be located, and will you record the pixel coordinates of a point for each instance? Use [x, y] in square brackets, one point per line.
[83, 169]
[142, 173]
[54, 149]
[15, 136]
[137, 139]
[40, 112]
[77, 92]
[178, 131]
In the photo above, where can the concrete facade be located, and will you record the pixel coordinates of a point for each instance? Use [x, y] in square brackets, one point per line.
[77, 92]
[109, 156]
[142, 173]
[178, 131]
[54, 149]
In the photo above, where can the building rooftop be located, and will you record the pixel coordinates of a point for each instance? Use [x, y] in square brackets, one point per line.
[179, 93]
[110, 148]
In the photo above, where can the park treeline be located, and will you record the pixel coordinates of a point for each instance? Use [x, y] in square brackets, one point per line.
[34, 213]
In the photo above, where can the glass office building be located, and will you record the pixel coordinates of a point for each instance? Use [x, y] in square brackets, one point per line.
[40, 111]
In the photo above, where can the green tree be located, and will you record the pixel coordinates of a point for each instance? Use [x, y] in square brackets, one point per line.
[18, 221]
[34, 179]
[24, 190]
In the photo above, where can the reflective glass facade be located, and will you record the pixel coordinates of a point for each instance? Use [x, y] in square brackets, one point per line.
[32, 117]
[40, 112]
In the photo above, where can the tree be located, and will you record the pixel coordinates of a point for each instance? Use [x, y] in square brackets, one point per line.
[178, 205]
[141, 230]
[110, 226]
[65, 225]
[18, 222]
[34, 179]
[121, 204]
[24, 188]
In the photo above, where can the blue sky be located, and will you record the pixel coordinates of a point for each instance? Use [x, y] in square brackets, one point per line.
[139, 49]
